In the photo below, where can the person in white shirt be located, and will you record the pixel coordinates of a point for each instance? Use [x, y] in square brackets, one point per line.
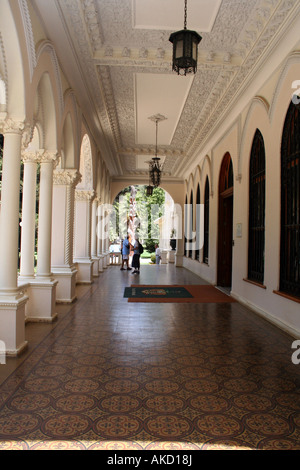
[157, 254]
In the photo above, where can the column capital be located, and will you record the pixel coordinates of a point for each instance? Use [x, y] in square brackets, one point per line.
[97, 200]
[82, 195]
[45, 156]
[30, 157]
[12, 126]
[66, 177]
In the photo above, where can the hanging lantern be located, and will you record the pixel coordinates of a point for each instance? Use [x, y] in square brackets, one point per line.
[185, 49]
[155, 172]
[149, 190]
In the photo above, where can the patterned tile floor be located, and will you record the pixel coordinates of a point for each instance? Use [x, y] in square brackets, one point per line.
[115, 375]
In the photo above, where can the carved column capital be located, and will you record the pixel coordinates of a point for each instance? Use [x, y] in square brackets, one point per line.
[30, 157]
[82, 195]
[66, 177]
[45, 156]
[10, 126]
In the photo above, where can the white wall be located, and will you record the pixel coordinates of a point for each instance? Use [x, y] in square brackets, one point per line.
[265, 111]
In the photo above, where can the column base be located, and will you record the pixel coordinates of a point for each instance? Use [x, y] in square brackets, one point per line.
[101, 264]
[66, 287]
[42, 300]
[171, 256]
[95, 266]
[164, 257]
[84, 271]
[178, 260]
[12, 324]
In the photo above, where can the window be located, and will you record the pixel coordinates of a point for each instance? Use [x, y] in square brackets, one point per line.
[198, 228]
[290, 204]
[206, 222]
[185, 227]
[257, 180]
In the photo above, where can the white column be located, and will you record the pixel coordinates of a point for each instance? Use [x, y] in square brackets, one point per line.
[94, 252]
[28, 216]
[45, 214]
[99, 237]
[12, 300]
[82, 245]
[42, 298]
[62, 265]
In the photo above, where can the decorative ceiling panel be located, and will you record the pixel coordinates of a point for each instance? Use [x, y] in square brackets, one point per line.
[108, 53]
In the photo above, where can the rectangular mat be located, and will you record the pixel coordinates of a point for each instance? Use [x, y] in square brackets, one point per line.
[176, 294]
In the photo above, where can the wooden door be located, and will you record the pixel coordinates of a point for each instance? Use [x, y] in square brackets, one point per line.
[225, 230]
[225, 241]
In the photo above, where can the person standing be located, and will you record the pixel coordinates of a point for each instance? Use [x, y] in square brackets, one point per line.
[125, 254]
[157, 254]
[136, 257]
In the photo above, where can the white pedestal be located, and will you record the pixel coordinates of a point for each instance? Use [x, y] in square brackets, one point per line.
[171, 256]
[12, 325]
[163, 259]
[66, 287]
[84, 271]
[95, 267]
[42, 300]
[101, 264]
[178, 260]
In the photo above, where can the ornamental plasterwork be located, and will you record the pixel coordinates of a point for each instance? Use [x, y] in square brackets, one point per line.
[111, 52]
[66, 177]
[81, 195]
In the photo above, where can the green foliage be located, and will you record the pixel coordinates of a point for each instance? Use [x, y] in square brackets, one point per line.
[148, 208]
[153, 258]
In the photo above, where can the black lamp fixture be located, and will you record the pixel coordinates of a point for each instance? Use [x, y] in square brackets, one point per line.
[155, 167]
[149, 190]
[185, 48]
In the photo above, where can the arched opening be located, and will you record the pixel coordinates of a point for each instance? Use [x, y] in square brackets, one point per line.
[257, 183]
[198, 222]
[290, 204]
[225, 225]
[86, 165]
[191, 219]
[185, 227]
[152, 218]
[206, 222]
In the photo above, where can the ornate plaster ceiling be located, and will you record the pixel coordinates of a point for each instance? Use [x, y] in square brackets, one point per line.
[116, 55]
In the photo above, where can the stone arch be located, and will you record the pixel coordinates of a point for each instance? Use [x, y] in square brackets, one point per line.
[13, 61]
[3, 95]
[69, 142]
[197, 178]
[86, 164]
[206, 171]
[257, 118]
[44, 97]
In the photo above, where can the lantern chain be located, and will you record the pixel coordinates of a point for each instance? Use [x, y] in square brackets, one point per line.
[185, 13]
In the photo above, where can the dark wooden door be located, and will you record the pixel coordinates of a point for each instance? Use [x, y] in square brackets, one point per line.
[225, 229]
[225, 241]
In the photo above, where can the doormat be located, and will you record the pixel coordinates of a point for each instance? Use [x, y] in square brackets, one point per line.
[176, 294]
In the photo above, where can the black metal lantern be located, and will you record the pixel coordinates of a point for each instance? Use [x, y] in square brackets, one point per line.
[149, 190]
[185, 49]
[155, 172]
